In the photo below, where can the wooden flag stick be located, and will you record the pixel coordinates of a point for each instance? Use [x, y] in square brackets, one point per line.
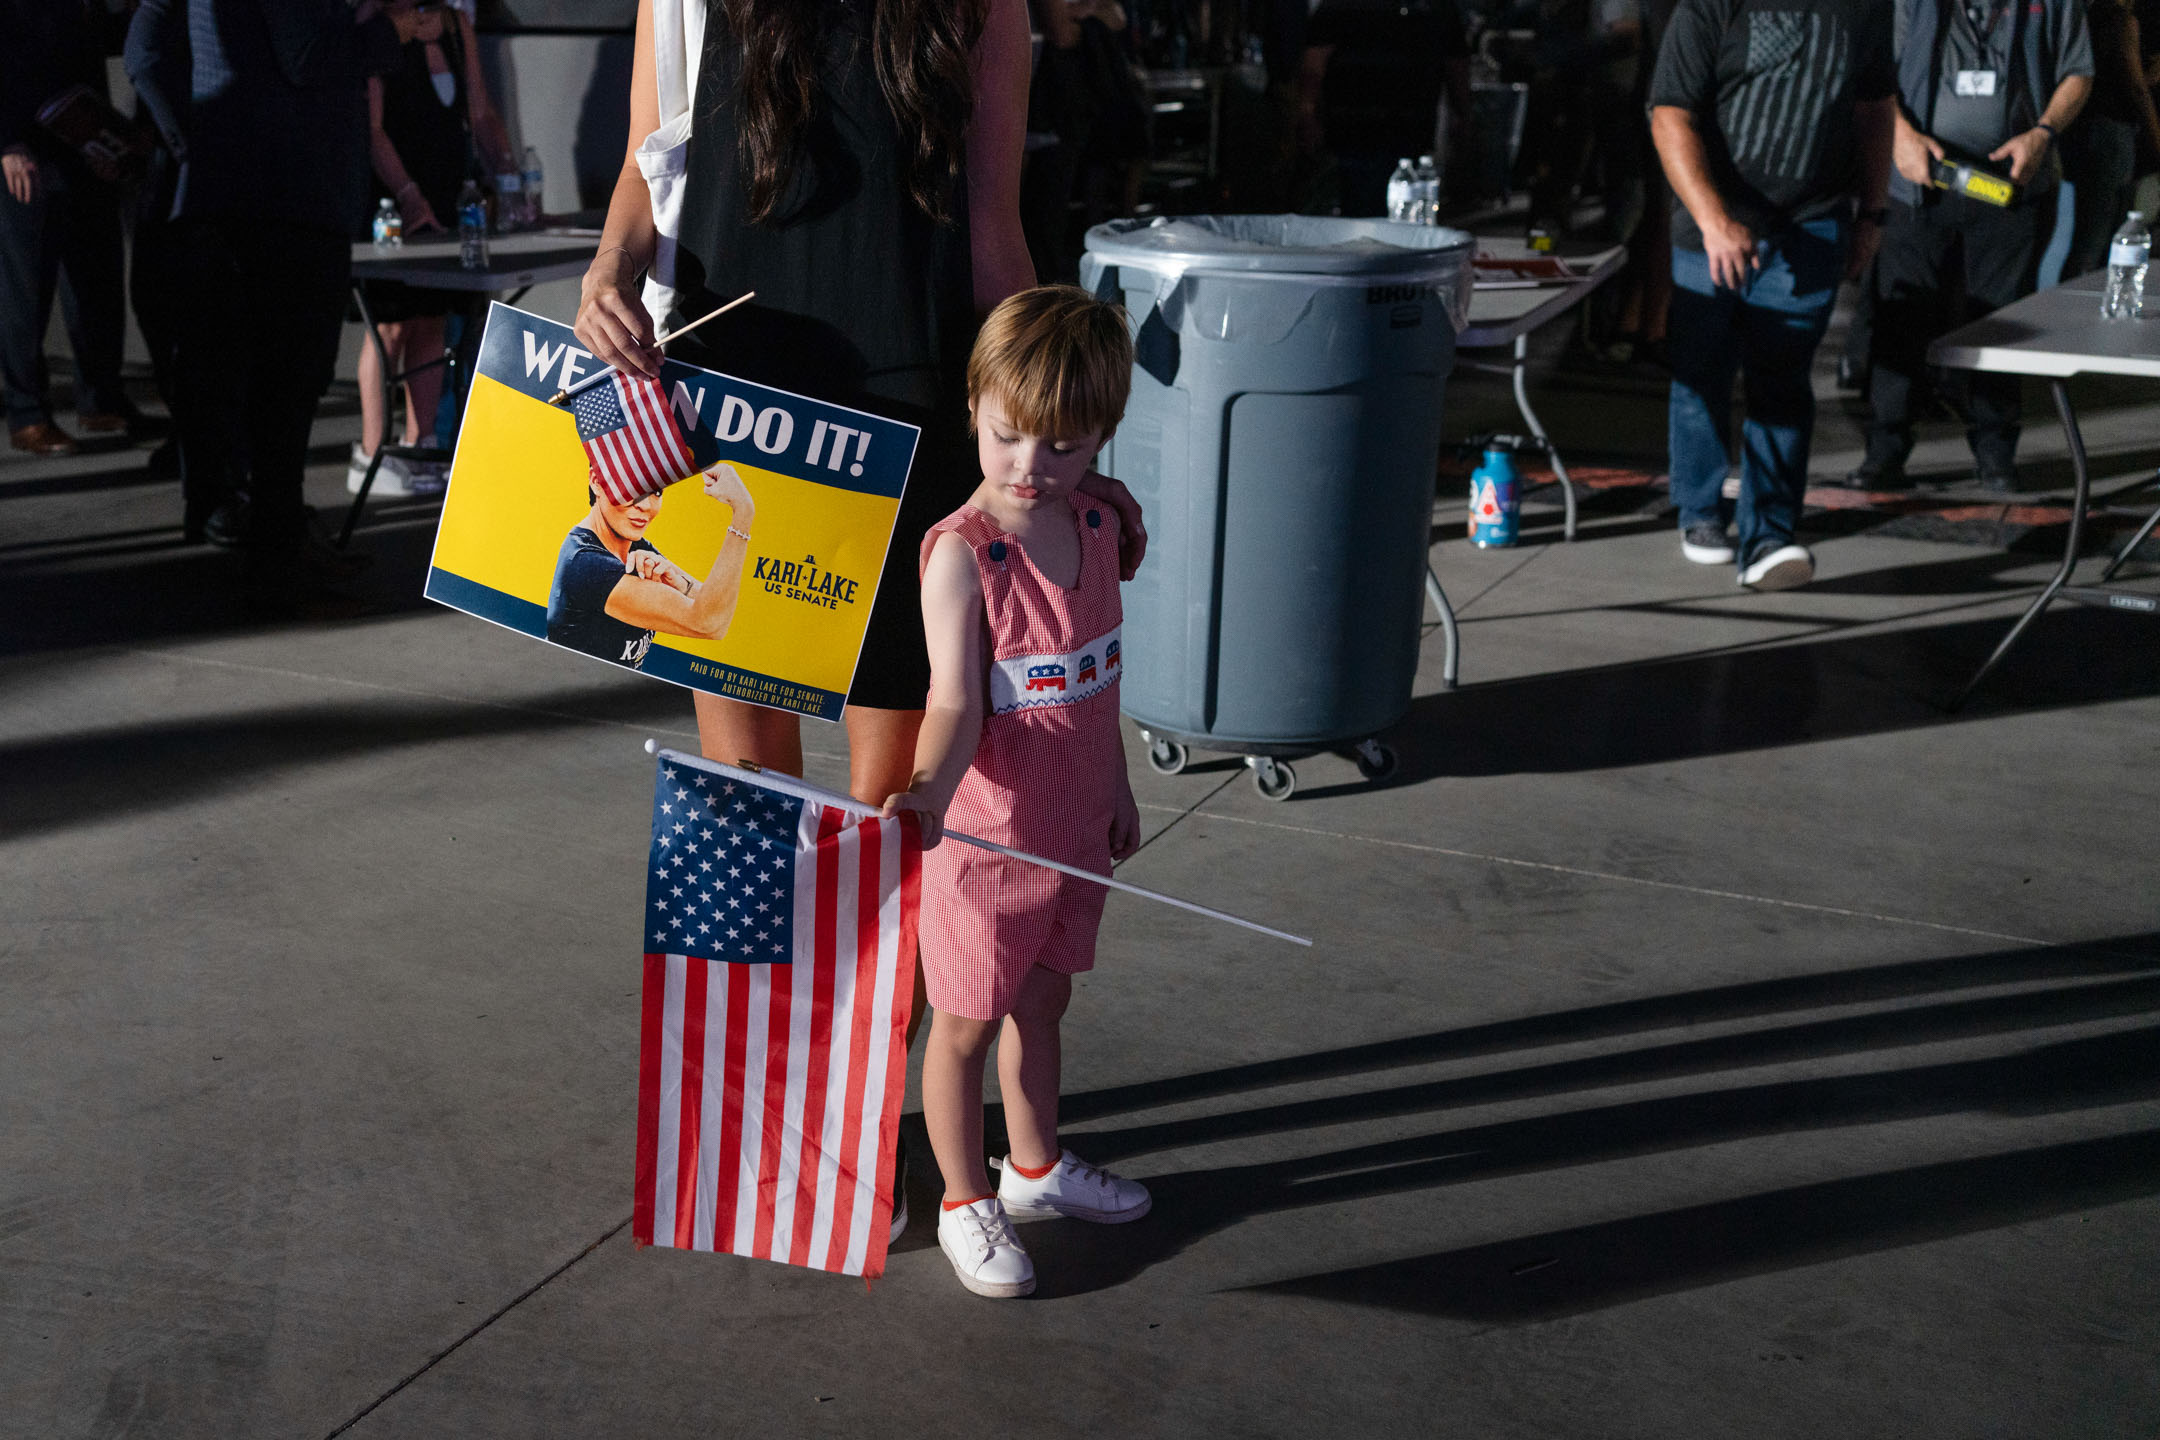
[562, 396]
[803, 789]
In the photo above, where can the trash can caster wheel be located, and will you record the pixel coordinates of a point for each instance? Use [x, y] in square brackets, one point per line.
[1273, 778]
[1166, 757]
[1375, 761]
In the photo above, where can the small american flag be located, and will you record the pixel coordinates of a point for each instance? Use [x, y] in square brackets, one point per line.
[630, 437]
[780, 946]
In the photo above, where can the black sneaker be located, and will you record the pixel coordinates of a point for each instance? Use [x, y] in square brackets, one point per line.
[1877, 475]
[1999, 477]
[1705, 544]
[1779, 565]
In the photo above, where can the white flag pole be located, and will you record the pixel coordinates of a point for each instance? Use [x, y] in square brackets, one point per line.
[804, 790]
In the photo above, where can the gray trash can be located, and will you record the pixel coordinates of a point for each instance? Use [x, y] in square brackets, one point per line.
[1283, 435]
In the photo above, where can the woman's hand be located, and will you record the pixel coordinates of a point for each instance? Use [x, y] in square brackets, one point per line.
[1132, 532]
[652, 565]
[419, 215]
[611, 320]
[724, 485]
[929, 816]
[1124, 825]
[22, 175]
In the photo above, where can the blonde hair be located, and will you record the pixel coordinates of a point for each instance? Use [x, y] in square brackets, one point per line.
[1059, 360]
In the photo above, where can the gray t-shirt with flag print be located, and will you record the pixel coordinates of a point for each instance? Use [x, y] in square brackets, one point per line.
[1772, 85]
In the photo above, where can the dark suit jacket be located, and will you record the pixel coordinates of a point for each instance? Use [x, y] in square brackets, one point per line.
[264, 103]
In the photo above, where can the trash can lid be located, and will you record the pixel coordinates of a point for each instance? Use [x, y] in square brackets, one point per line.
[1281, 244]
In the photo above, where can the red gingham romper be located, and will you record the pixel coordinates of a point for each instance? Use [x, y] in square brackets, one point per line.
[1045, 777]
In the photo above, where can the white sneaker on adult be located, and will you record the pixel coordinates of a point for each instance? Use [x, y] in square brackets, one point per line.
[1074, 1189]
[393, 480]
[986, 1255]
[1783, 567]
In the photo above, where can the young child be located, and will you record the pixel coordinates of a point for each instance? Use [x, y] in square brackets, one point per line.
[1020, 744]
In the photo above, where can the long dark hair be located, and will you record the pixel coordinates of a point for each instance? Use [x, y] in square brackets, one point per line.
[922, 50]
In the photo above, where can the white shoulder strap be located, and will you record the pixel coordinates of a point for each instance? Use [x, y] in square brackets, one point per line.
[678, 44]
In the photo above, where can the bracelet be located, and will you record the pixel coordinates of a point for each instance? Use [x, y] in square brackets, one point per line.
[744, 535]
[2053, 133]
[625, 250]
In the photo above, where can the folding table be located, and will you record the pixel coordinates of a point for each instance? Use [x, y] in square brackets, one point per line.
[2056, 334]
[516, 263]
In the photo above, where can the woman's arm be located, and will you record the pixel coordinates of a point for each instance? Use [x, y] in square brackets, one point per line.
[390, 169]
[953, 626]
[488, 129]
[709, 608]
[997, 134]
[611, 319]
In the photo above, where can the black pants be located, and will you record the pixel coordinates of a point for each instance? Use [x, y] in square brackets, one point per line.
[1943, 263]
[68, 239]
[259, 342]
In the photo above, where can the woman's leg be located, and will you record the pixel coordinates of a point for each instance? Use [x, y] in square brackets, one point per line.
[372, 398]
[731, 730]
[1029, 1060]
[423, 393]
[952, 1102]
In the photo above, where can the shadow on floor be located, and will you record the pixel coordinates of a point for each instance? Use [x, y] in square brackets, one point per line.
[1606, 1264]
[1568, 1272]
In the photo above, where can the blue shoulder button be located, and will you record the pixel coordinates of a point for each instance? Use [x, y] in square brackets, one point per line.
[1094, 519]
[997, 551]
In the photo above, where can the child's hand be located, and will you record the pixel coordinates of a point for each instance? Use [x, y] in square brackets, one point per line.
[1124, 827]
[931, 818]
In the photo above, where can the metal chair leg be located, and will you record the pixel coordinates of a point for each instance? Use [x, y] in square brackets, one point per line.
[1537, 431]
[2135, 541]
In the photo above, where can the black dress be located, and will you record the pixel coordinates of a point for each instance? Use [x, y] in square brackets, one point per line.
[434, 141]
[863, 300]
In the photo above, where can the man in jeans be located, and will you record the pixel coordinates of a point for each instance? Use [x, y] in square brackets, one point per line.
[1771, 118]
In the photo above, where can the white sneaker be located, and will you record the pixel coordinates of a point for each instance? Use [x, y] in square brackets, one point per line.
[985, 1254]
[1783, 567]
[393, 480]
[1074, 1189]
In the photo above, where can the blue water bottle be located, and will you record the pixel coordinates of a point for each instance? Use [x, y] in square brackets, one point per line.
[1495, 496]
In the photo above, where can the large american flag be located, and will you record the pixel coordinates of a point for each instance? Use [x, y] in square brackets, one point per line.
[779, 971]
[630, 437]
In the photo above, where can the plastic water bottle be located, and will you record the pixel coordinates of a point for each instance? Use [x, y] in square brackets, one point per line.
[509, 202]
[535, 186]
[1402, 193]
[1425, 191]
[389, 225]
[2124, 298]
[472, 227]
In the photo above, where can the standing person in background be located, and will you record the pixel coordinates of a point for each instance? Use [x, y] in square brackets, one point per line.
[264, 104]
[1370, 85]
[858, 166]
[2100, 153]
[59, 228]
[1772, 124]
[1996, 83]
[430, 127]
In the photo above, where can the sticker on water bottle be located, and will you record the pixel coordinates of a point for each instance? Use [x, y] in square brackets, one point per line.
[2124, 252]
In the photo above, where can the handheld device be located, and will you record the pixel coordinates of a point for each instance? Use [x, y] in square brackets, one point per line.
[1972, 182]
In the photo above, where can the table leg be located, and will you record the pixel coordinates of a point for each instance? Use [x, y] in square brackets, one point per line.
[1438, 597]
[2068, 416]
[390, 384]
[2135, 541]
[1537, 431]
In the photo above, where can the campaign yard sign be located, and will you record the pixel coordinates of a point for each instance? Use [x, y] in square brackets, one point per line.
[698, 528]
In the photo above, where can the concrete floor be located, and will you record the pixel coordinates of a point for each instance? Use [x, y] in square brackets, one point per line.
[1708, 1033]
